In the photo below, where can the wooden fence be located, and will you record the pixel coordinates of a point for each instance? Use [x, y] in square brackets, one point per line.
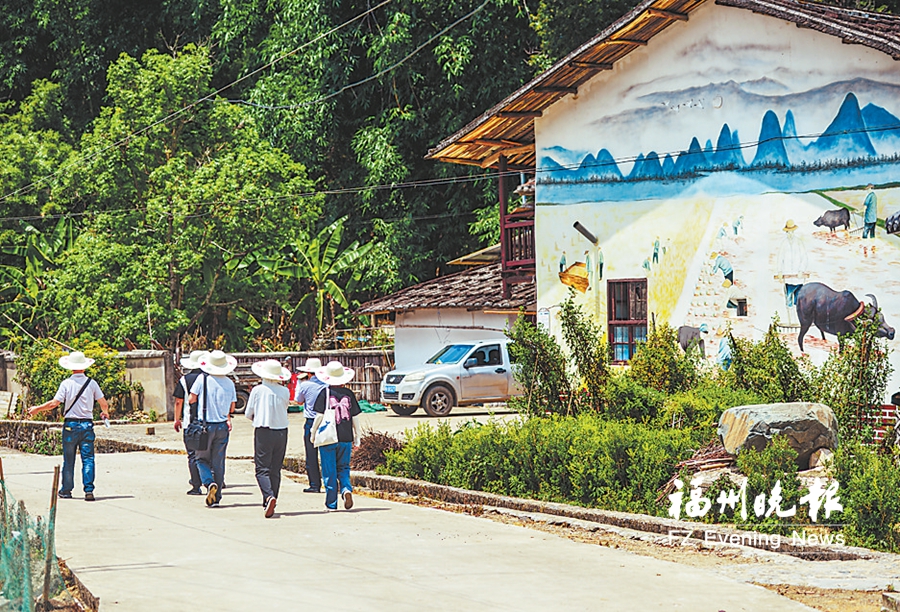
[370, 364]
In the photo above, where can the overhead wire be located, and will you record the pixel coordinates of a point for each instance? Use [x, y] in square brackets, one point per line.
[177, 113]
[369, 78]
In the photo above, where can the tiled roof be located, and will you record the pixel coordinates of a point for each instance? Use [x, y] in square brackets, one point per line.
[474, 289]
[508, 128]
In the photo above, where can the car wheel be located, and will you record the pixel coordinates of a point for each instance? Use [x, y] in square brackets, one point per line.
[241, 404]
[438, 401]
[403, 410]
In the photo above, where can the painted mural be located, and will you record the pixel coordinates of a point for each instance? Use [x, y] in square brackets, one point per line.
[744, 168]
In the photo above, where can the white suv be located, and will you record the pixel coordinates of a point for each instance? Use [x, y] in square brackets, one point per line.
[458, 375]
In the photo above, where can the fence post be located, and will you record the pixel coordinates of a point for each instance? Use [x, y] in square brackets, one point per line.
[26, 555]
[49, 547]
[4, 525]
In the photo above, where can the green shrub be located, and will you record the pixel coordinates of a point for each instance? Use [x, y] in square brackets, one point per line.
[869, 486]
[540, 369]
[768, 369]
[763, 469]
[627, 399]
[701, 407]
[589, 353]
[584, 460]
[854, 379]
[660, 364]
[39, 372]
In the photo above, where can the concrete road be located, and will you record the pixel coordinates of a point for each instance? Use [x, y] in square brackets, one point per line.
[145, 545]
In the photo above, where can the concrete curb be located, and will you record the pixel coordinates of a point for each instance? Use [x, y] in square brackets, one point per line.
[678, 530]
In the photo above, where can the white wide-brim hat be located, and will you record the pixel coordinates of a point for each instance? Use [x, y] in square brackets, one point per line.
[312, 365]
[218, 363]
[192, 361]
[75, 361]
[270, 370]
[334, 373]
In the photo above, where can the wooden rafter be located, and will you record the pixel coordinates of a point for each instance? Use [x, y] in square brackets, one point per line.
[674, 15]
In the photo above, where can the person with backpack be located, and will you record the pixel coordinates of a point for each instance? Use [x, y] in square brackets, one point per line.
[217, 397]
[77, 395]
[190, 365]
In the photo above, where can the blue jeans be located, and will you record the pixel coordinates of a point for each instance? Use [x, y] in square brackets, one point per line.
[335, 470]
[78, 435]
[312, 457]
[211, 462]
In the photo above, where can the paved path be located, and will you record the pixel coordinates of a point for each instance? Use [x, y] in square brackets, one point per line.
[144, 545]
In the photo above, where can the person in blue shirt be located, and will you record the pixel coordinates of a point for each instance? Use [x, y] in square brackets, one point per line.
[217, 397]
[720, 263]
[871, 217]
[306, 394]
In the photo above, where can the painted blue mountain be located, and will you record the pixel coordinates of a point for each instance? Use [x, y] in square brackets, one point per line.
[646, 167]
[882, 125]
[846, 137]
[770, 150]
[852, 134]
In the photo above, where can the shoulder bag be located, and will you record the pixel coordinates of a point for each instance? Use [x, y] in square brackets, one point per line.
[196, 434]
[326, 433]
[77, 397]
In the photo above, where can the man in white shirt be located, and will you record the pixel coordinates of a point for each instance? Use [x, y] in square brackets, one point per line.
[77, 394]
[217, 398]
[267, 407]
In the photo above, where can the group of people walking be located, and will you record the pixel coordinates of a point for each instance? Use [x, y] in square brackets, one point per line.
[330, 430]
[205, 399]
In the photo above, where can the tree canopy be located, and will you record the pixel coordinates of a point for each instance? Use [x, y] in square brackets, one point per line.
[161, 155]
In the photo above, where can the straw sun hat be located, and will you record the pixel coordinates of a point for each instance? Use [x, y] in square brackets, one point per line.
[75, 361]
[334, 373]
[312, 364]
[217, 363]
[270, 369]
[192, 361]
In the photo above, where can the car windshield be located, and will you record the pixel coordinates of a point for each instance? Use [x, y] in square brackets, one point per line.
[451, 354]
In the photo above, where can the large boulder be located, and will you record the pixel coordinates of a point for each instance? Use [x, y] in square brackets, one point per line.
[807, 426]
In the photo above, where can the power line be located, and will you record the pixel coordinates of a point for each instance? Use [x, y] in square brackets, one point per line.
[368, 78]
[436, 182]
[181, 111]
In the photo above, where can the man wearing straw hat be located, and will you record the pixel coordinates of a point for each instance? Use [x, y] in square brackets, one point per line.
[267, 407]
[305, 395]
[336, 457]
[190, 365]
[77, 394]
[217, 397]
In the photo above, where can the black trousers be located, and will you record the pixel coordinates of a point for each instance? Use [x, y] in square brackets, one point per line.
[269, 446]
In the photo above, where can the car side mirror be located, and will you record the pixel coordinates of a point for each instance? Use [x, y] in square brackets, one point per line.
[471, 362]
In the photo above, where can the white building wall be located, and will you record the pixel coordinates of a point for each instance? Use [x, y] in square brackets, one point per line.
[420, 334]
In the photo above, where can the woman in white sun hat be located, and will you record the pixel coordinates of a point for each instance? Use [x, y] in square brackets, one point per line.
[77, 394]
[267, 407]
[190, 369]
[216, 396]
[335, 458]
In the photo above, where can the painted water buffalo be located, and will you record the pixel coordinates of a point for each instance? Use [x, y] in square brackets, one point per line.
[835, 312]
[833, 218]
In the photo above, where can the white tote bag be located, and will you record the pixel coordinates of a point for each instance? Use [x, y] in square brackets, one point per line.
[326, 433]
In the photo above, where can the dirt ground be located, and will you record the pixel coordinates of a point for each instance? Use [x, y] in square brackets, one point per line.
[827, 600]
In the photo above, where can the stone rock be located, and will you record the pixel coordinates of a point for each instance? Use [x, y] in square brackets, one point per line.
[807, 426]
[820, 457]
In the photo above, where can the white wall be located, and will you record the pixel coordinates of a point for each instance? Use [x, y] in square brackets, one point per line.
[421, 333]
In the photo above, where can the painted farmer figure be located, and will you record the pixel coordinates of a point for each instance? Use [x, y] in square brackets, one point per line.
[656, 250]
[737, 225]
[590, 270]
[792, 264]
[336, 457]
[599, 263]
[871, 214]
[190, 365]
[720, 263]
[306, 394]
[216, 396]
[77, 395]
[267, 407]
